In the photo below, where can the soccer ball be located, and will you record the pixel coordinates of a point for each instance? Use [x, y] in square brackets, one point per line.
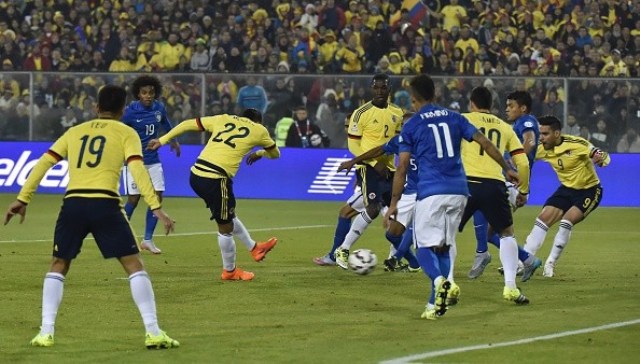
[362, 261]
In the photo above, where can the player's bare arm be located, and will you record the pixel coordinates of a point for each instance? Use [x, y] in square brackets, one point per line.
[167, 222]
[15, 208]
[175, 147]
[494, 153]
[529, 142]
[154, 144]
[370, 154]
[398, 186]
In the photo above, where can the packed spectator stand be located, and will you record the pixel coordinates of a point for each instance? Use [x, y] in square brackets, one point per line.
[580, 59]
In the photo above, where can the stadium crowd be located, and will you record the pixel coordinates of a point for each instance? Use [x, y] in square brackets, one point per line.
[285, 44]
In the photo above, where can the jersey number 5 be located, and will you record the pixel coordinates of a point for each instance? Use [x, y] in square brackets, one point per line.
[242, 132]
[95, 147]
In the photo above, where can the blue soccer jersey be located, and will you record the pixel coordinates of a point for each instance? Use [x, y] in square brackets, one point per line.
[393, 147]
[145, 121]
[524, 124]
[433, 135]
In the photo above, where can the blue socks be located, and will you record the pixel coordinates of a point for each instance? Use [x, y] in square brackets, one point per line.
[481, 227]
[434, 265]
[128, 209]
[403, 251]
[342, 229]
[150, 225]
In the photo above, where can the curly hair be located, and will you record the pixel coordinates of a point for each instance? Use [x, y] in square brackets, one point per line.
[143, 81]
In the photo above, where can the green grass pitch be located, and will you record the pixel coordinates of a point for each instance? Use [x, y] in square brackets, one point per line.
[296, 312]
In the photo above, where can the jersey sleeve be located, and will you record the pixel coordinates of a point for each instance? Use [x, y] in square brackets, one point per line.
[127, 117]
[132, 146]
[355, 127]
[467, 129]
[60, 147]
[514, 146]
[197, 124]
[164, 120]
[405, 141]
[265, 140]
[392, 146]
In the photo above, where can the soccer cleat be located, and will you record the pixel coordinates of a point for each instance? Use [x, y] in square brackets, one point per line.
[237, 275]
[150, 246]
[42, 340]
[162, 341]
[324, 260]
[479, 264]
[261, 249]
[408, 269]
[391, 265]
[429, 314]
[548, 269]
[342, 258]
[454, 294]
[514, 295]
[529, 269]
[519, 270]
[442, 292]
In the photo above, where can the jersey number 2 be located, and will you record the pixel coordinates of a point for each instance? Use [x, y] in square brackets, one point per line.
[446, 135]
[95, 147]
[228, 140]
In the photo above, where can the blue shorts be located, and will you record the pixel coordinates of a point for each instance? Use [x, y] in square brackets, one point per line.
[103, 218]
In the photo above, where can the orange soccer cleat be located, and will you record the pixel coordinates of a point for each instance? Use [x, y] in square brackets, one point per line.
[237, 275]
[261, 249]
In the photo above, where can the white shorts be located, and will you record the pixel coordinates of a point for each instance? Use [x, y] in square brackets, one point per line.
[406, 209]
[157, 179]
[437, 219]
[356, 201]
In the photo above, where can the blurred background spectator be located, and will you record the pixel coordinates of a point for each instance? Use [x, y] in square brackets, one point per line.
[532, 42]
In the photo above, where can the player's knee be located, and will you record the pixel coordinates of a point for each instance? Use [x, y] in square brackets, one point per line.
[59, 265]
[225, 227]
[373, 210]
[396, 228]
[133, 200]
[347, 212]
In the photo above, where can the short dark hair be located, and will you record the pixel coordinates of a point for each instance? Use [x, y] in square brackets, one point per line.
[380, 77]
[553, 122]
[253, 115]
[423, 87]
[481, 97]
[112, 98]
[522, 98]
[144, 81]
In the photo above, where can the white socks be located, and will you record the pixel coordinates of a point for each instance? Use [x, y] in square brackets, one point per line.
[536, 237]
[228, 251]
[453, 253]
[509, 259]
[143, 296]
[358, 226]
[561, 240]
[241, 232]
[52, 290]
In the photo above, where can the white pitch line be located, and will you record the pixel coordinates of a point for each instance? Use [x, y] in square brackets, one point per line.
[188, 234]
[463, 349]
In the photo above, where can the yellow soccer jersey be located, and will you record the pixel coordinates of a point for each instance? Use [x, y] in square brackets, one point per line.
[232, 137]
[572, 162]
[479, 164]
[370, 127]
[95, 151]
